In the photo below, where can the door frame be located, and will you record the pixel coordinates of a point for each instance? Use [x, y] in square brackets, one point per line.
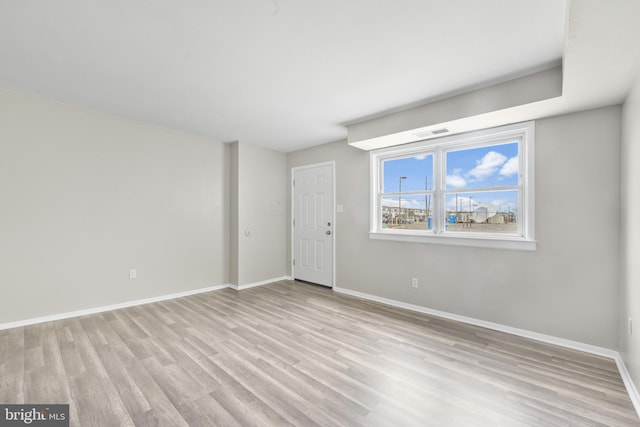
[292, 254]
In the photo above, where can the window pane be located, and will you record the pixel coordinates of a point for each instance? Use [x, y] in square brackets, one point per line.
[410, 173]
[491, 166]
[485, 211]
[407, 212]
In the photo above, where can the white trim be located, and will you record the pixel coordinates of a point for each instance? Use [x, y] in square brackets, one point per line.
[331, 163]
[524, 239]
[94, 310]
[600, 351]
[260, 283]
[549, 339]
[528, 171]
[459, 239]
[628, 382]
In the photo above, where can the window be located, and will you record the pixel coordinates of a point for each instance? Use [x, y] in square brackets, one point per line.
[473, 189]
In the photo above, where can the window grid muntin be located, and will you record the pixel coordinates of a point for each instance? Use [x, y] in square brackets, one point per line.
[484, 143]
[439, 191]
[523, 133]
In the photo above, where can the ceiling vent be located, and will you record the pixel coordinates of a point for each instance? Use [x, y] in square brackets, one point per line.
[440, 131]
[430, 133]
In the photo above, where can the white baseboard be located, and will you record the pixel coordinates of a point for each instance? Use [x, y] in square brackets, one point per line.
[125, 304]
[260, 283]
[101, 309]
[628, 382]
[600, 351]
[549, 339]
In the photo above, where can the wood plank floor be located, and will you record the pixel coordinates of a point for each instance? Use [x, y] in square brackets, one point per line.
[295, 354]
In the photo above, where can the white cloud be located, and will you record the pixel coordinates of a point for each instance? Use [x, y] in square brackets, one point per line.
[503, 205]
[421, 156]
[488, 165]
[510, 168]
[456, 181]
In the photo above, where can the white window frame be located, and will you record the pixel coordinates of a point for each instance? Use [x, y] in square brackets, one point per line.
[524, 239]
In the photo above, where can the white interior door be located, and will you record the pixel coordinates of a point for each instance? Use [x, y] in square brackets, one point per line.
[313, 217]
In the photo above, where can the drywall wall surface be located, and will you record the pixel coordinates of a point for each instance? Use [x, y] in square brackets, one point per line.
[630, 234]
[233, 212]
[262, 199]
[225, 221]
[524, 90]
[566, 288]
[86, 196]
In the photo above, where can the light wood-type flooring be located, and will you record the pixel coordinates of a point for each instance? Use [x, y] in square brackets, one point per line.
[296, 354]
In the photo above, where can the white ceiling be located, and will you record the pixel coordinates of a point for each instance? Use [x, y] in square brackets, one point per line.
[288, 74]
[601, 62]
[284, 74]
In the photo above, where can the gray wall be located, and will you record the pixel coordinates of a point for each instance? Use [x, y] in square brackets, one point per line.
[234, 211]
[513, 93]
[86, 196]
[261, 221]
[567, 288]
[630, 233]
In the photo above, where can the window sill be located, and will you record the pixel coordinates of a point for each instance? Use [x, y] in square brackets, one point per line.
[491, 242]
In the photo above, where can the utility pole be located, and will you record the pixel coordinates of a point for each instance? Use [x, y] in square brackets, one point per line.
[400, 197]
[426, 204]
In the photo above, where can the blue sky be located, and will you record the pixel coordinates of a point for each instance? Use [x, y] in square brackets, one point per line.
[483, 167]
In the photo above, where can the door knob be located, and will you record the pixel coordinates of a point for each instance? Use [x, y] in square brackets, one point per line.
[328, 232]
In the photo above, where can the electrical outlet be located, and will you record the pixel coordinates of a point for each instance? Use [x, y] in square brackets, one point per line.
[414, 282]
[630, 326]
[133, 273]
